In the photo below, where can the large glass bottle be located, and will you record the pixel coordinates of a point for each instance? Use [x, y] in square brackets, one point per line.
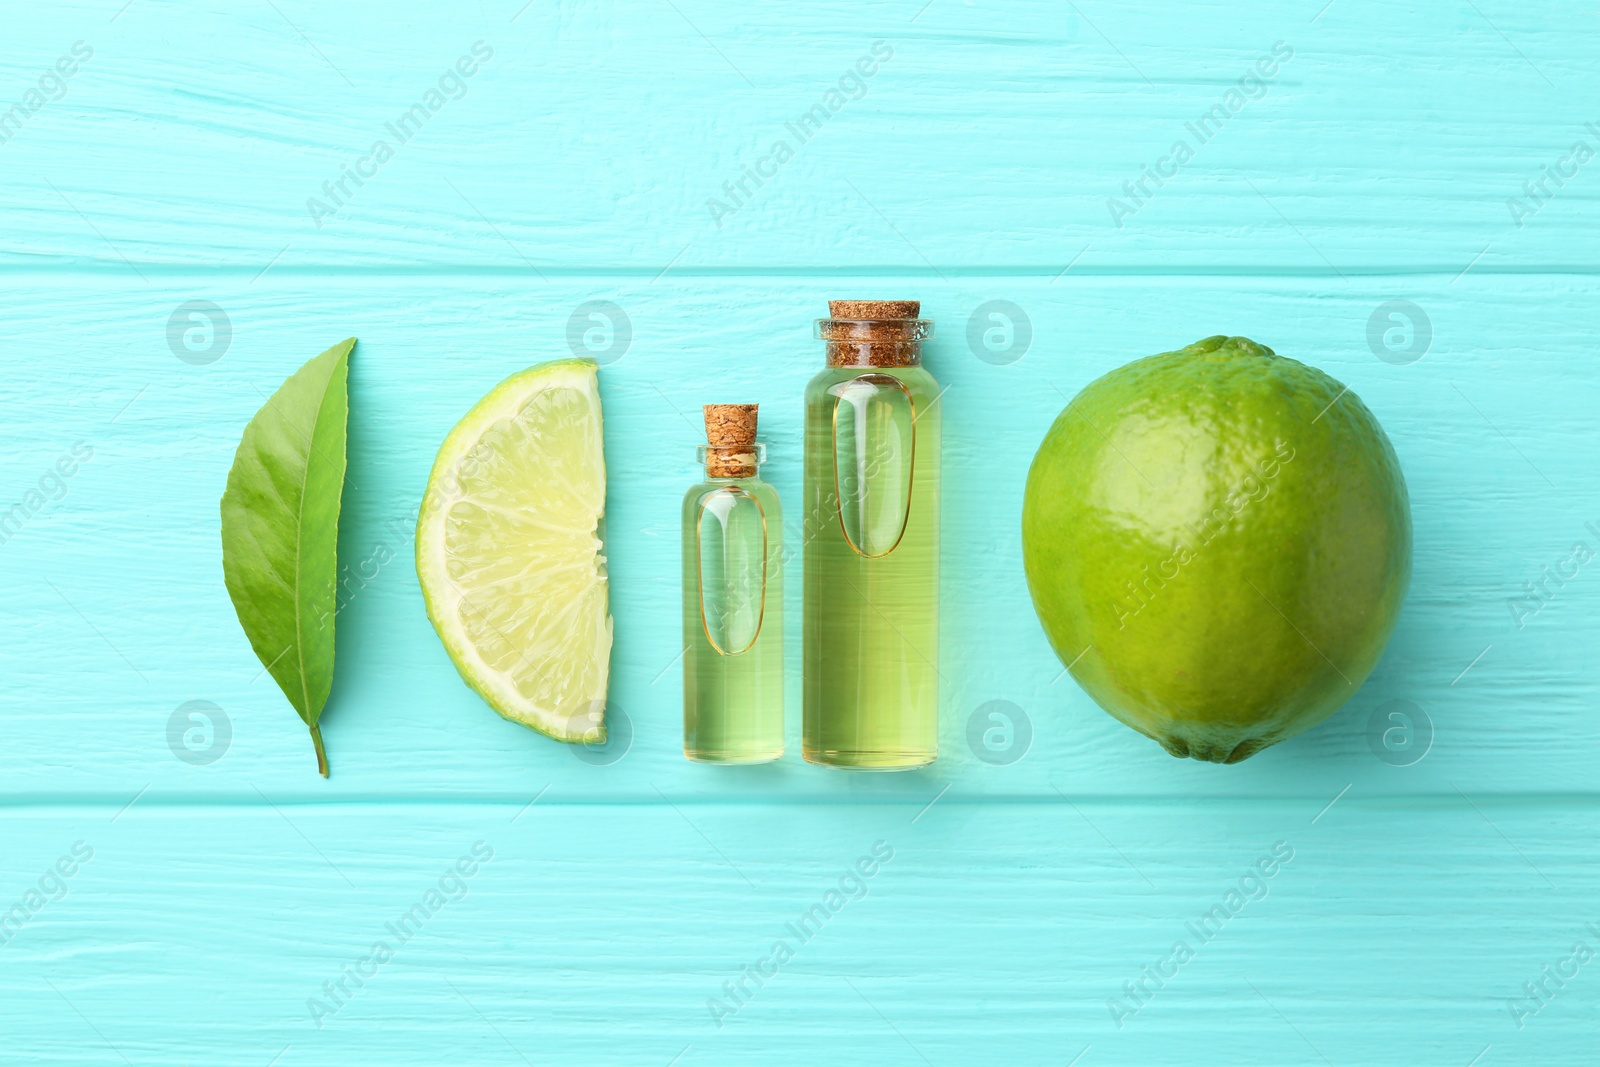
[872, 542]
[732, 599]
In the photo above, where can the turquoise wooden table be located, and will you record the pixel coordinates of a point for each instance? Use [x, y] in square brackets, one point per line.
[1403, 195]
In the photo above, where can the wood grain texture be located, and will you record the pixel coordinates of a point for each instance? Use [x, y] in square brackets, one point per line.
[627, 886]
[993, 934]
[1480, 423]
[597, 133]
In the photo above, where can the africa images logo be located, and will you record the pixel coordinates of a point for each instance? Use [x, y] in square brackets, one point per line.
[853, 884]
[451, 85]
[1253, 85]
[851, 85]
[51, 85]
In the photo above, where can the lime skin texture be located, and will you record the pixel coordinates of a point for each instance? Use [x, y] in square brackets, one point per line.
[1217, 541]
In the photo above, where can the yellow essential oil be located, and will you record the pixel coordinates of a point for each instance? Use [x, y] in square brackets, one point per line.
[872, 542]
[732, 599]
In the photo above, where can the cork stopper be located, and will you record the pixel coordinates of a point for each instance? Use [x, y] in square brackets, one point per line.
[874, 333]
[874, 309]
[730, 440]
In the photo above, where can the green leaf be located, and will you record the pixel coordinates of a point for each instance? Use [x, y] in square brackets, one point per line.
[280, 531]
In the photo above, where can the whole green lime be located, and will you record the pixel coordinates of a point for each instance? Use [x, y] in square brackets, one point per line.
[1218, 542]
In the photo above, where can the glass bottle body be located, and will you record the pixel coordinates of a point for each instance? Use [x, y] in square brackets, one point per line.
[871, 623]
[732, 622]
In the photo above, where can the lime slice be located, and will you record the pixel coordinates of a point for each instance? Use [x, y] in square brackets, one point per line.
[509, 552]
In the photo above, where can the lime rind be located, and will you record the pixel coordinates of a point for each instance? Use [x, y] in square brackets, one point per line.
[1217, 541]
[509, 556]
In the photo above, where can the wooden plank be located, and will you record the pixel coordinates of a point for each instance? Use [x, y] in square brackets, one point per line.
[597, 137]
[1394, 932]
[118, 614]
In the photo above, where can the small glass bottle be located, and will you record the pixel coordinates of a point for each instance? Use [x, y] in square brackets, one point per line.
[872, 542]
[732, 599]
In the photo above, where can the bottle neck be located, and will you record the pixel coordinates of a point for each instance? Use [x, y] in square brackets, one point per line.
[874, 342]
[874, 354]
[725, 464]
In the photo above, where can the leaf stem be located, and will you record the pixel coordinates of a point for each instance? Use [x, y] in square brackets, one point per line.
[322, 757]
